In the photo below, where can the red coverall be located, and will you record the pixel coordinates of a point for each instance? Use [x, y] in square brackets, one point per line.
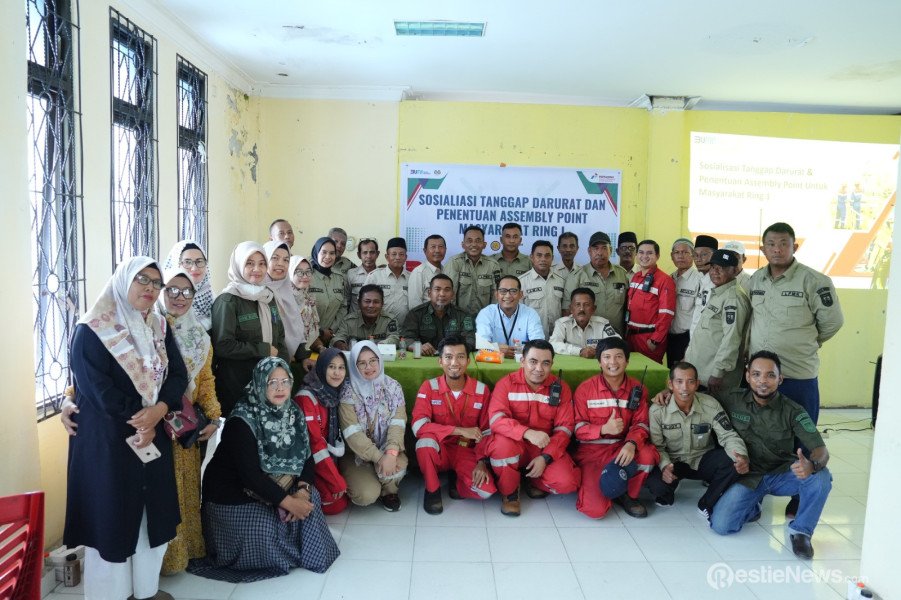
[650, 313]
[435, 415]
[595, 402]
[327, 478]
[514, 409]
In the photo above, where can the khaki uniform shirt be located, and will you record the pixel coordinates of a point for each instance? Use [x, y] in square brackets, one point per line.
[515, 267]
[423, 325]
[686, 291]
[331, 297]
[744, 280]
[418, 284]
[343, 265]
[561, 270]
[704, 287]
[544, 295]
[686, 438]
[568, 338]
[769, 432]
[717, 346]
[356, 278]
[384, 330]
[610, 292]
[474, 285]
[395, 289]
[793, 315]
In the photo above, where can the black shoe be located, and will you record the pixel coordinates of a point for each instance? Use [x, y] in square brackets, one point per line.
[391, 502]
[661, 502]
[792, 508]
[759, 512]
[633, 507]
[535, 492]
[452, 486]
[801, 545]
[431, 503]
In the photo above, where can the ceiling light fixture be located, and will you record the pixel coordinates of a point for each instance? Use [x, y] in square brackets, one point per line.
[439, 28]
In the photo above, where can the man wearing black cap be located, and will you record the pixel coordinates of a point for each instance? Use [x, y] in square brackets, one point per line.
[608, 281]
[705, 246]
[626, 247]
[717, 346]
[394, 279]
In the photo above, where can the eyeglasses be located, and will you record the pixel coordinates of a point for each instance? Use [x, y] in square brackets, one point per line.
[174, 292]
[506, 292]
[305, 273]
[189, 263]
[274, 384]
[626, 249]
[144, 280]
[372, 362]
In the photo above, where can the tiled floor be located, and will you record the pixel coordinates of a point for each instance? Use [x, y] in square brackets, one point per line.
[553, 551]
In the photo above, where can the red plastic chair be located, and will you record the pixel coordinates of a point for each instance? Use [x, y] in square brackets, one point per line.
[21, 546]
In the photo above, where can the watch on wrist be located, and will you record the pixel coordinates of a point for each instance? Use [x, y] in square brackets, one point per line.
[548, 459]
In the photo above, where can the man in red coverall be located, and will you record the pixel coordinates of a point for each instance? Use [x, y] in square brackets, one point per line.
[531, 418]
[450, 418]
[651, 305]
[612, 424]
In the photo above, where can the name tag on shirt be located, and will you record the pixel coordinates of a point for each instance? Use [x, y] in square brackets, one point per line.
[477, 405]
[436, 402]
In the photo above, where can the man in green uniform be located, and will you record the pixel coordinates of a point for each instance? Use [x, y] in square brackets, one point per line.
[369, 322]
[431, 322]
[717, 346]
[510, 260]
[475, 275]
[608, 281]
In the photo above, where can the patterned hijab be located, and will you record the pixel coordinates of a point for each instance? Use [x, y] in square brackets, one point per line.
[238, 286]
[281, 432]
[288, 307]
[190, 336]
[308, 312]
[203, 293]
[137, 341]
[373, 406]
[314, 257]
[317, 384]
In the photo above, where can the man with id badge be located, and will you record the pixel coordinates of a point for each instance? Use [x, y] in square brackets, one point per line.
[450, 421]
[685, 433]
[509, 322]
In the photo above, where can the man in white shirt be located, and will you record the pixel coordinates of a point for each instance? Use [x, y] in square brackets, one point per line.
[626, 247]
[687, 280]
[578, 333]
[705, 246]
[435, 249]
[542, 288]
[394, 279]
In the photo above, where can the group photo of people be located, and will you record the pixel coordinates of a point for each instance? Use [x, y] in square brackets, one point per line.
[256, 410]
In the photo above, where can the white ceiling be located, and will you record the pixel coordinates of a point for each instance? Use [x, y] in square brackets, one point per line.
[798, 55]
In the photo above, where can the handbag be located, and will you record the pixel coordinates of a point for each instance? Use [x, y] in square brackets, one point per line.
[186, 424]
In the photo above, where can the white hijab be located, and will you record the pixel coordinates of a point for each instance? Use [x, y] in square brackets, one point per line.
[288, 307]
[238, 286]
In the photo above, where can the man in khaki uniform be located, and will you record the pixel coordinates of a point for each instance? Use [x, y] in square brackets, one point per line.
[368, 253]
[475, 275]
[510, 260]
[342, 263]
[608, 281]
[687, 280]
[394, 279]
[795, 311]
[717, 346]
[369, 322]
[568, 247]
[542, 288]
[626, 248]
[705, 246]
[578, 333]
[420, 279]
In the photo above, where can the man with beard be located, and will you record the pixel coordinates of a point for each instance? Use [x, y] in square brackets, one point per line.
[579, 333]
[368, 253]
[608, 281]
[431, 321]
[420, 278]
[370, 322]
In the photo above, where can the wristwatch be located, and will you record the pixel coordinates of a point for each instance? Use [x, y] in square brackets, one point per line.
[548, 459]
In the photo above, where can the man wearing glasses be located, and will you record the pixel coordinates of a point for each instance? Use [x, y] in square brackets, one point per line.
[508, 323]
[627, 246]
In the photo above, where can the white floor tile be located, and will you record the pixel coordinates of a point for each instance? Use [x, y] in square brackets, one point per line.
[76, 590]
[535, 513]
[826, 541]
[518, 581]
[457, 513]
[453, 581]
[842, 510]
[377, 542]
[673, 544]
[299, 583]
[185, 585]
[563, 510]
[522, 545]
[693, 581]
[451, 544]
[375, 513]
[591, 545]
[658, 517]
[608, 580]
[854, 533]
[369, 579]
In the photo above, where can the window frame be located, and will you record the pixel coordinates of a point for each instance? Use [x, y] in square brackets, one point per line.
[193, 185]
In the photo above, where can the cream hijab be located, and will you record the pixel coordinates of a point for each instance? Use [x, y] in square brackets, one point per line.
[288, 307]
[238, 286]
[137, 341]
[189, 334]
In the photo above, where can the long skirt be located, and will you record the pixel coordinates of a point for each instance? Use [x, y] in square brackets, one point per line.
[248, 542]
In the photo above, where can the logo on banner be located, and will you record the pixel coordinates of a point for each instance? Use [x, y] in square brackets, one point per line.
[600, 184]
[422, 183]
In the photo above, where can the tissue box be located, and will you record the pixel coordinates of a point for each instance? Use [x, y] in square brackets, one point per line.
[388, 352]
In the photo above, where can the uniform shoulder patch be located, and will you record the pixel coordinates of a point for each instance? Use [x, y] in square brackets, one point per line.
[723, 420]
[392, 325]
[609, 331]
[825, 294]
[806, 422]
[730, 315]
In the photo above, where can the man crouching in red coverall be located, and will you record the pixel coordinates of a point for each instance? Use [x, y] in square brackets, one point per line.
[612, 424]
[531, 418]
[450, 419]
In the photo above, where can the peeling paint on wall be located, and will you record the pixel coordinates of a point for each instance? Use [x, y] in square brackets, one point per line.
[243, 128]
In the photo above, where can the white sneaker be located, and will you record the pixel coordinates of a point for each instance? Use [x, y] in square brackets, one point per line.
[704, 514]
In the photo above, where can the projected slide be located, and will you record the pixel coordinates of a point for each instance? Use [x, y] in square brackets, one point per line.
[838, 196]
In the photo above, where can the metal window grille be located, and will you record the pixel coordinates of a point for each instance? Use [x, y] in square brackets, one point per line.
[133, 182]
[54, 170]
[192, 172]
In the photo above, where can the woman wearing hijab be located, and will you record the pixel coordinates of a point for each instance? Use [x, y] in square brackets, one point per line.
[122, 502]
[247, 325]
[373, 418]
[196, 350]
[278, 257]
[261, 514]
[319, 399]
[188, 255]
[301, 277]
[329, 289]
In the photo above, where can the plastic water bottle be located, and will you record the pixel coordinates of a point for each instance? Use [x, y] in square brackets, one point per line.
[401, 349]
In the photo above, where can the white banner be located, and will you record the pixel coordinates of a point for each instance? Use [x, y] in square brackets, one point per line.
[444, 199]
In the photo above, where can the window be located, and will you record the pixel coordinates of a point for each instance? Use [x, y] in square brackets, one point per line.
[192, 175]
[133, 181]
[54, 171]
